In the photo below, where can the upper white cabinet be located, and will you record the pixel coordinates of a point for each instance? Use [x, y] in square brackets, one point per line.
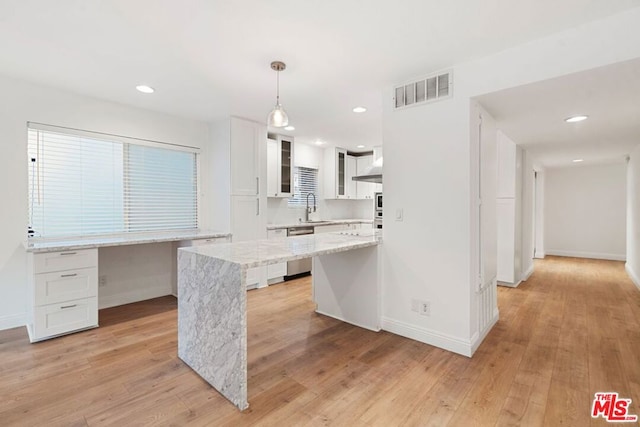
[280, 166]
[364, 190]
[351, 172]
[336, 174]
[246, 138]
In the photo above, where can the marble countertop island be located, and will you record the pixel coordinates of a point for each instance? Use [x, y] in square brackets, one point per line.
[212, 302]
[262, 252]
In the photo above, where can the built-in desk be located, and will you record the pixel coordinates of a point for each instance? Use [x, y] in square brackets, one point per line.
[212, 302]
[63, 277]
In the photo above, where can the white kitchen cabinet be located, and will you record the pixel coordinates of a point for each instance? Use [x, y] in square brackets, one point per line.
[239, 153]
[351, 172]
[63, 291]
[280, 166]
[329, 228]
[246, 137]
[276, 272]
[336, 174]
[364, 190]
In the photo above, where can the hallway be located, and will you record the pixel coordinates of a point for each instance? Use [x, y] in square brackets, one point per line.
[579, 320]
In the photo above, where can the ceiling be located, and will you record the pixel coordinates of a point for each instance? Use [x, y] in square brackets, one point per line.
[210, 58]
[533, 115]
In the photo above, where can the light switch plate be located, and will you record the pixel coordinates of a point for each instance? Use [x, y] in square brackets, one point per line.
[399, 214]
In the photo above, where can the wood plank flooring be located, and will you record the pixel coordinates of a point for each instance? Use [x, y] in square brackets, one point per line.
[571, 330]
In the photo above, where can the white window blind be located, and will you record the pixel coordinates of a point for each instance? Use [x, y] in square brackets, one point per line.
[305, 181]
[83, 183]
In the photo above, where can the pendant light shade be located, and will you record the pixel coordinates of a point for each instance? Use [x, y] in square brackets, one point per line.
[278, 117]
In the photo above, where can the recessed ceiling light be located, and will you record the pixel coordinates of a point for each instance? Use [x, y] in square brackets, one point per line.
[360, 146]
[578, 160]
[145, 89]
[575, 119]
[318, 142]
[359, 109]
[289, 128]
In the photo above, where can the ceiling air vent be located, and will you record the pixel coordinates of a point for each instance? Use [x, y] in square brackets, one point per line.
[432, 88]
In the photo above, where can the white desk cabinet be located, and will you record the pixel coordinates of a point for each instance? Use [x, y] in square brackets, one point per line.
[63, 292]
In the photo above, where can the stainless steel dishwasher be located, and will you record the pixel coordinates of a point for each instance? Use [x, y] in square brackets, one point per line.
[299, 266]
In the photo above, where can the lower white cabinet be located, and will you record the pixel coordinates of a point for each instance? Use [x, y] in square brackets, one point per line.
[62, 318]
[276, 272]
[63, 292]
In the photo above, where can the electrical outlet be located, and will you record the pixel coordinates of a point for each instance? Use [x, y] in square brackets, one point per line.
[425, 308]
[102, 280]
[421, 307]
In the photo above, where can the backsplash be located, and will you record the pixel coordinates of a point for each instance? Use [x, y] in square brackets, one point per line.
[278, 212]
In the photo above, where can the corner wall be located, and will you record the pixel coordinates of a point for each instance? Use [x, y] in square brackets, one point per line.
[633, 216]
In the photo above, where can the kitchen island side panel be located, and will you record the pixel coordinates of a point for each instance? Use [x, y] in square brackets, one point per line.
[212, 323]
[346, 286]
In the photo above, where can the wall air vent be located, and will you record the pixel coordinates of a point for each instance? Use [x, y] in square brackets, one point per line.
[432, 88]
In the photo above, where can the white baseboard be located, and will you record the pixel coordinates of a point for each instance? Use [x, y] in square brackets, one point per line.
[539, 255]
[13, 321]
[428, 336]
[477, 339]
[527, 274]
[592, 255]
[632, 274]
[133, 296]
[509, 285]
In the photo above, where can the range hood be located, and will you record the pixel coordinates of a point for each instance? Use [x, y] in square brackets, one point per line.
[372, 174]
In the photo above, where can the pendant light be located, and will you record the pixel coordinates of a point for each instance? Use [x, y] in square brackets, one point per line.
[278, 117]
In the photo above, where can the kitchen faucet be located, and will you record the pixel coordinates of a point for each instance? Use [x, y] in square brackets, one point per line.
[307, 211]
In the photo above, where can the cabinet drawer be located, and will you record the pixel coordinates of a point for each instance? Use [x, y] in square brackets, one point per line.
[64, 260]
[276, 270]
[278, 232]
[57, 319]
[199, 242]
[67, 285]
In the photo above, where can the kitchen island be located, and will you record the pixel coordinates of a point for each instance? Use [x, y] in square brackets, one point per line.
[212, 302]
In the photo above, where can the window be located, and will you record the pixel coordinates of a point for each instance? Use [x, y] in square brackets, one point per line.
[305, 181]
[84, 183]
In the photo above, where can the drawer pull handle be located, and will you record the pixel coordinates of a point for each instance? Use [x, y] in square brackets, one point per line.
[69, 275]
[68, 253]
[68, 306]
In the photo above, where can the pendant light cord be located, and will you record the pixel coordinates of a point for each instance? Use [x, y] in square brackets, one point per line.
[278, 87]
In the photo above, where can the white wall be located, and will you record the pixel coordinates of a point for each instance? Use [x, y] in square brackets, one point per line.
[428, 151]
[633, 216]
[22, 102]
[585, 211]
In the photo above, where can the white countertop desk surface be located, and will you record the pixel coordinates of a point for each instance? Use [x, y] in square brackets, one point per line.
[36, 244]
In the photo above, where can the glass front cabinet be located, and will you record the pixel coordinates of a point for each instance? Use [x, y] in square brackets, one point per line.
[279, 166]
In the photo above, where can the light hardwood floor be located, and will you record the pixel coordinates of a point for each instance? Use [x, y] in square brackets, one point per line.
[572, 329]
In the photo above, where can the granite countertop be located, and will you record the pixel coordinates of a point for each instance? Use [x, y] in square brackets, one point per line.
[319, 223]
[36, 244]
[262, 252]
